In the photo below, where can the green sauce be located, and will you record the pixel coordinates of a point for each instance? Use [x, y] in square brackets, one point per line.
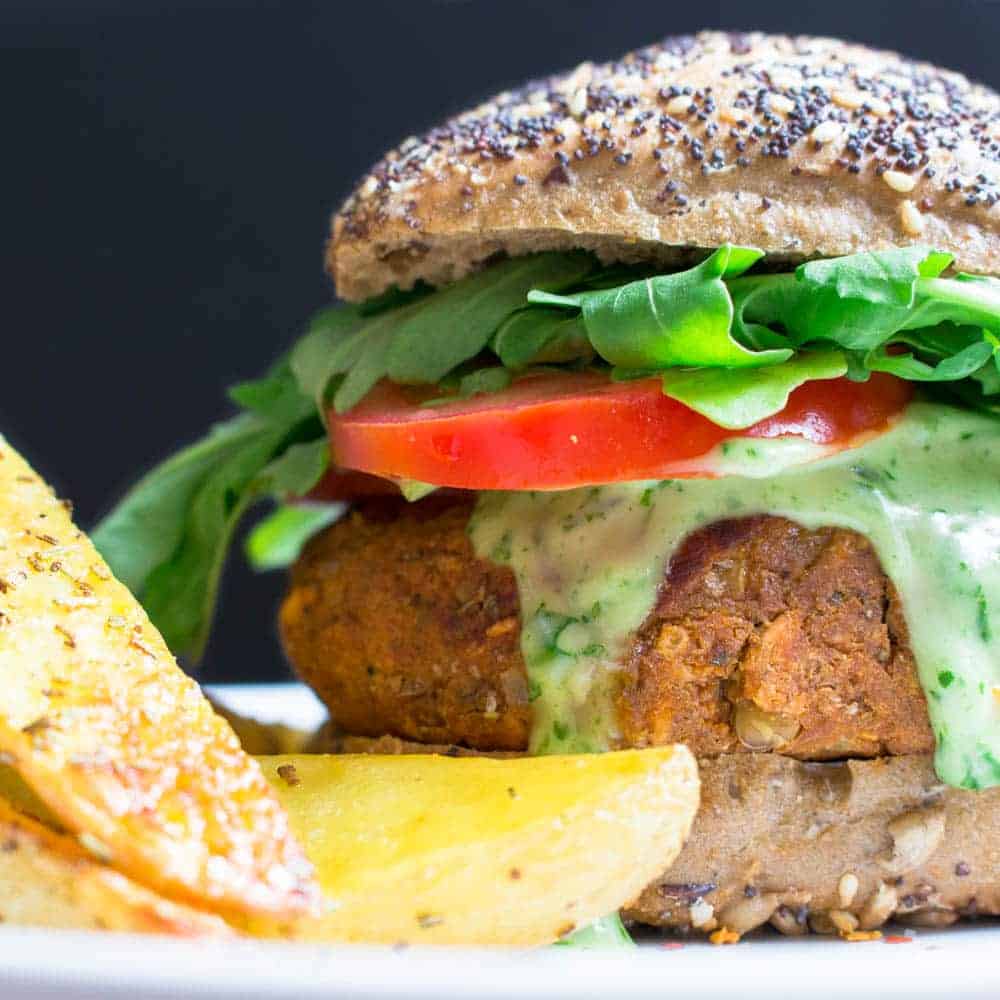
[926, 494]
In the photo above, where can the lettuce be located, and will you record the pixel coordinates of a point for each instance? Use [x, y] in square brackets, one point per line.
[741, 398]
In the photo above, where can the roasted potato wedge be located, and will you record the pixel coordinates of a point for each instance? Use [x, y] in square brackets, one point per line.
[264, 738]
[114, 738]
[19, 795]
[48, 880]
[432, 849]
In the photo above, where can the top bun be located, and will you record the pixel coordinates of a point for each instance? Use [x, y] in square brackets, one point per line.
[799, 146]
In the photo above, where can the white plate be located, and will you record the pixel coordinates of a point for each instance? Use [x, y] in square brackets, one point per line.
[73, 966]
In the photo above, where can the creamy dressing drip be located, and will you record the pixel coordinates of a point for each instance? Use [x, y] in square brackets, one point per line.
[926, 493]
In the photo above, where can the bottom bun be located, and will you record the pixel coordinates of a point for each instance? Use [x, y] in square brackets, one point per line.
[825, 847]
[831, 847]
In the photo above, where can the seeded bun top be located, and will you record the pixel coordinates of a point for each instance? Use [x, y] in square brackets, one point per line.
[800, 146]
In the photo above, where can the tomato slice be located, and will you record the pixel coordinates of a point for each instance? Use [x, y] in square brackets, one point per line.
[550, 432]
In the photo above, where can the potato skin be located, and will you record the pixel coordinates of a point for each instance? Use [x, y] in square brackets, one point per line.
[403, 631]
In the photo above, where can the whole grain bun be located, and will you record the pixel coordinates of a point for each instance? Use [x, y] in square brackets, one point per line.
[800, 146]
[832, 847]
[839, 847]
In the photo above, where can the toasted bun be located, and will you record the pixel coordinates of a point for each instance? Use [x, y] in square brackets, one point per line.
[824, 847]
[800, 146]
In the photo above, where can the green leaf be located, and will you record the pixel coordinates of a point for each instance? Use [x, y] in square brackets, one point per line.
[885, 278]
[966, 298]
[476, 383]
[368, 353]
[147, 524]
[740, 398]
[277, 540]
[332, 344]
[413, 489]
[456, 323]
[483, 381]
[607, 933]
[541, 336]
[167, 540]
[276, 397]
[180, 593]
[681, 319]
[863, 302]
[297, 469]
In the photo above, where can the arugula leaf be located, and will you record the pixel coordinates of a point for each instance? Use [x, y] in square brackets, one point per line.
[886, 277]
[331, 346]
[180, 593]
[861, 302]
[964, 364]
[367, 351]
[670, 320]
[413, 489]
[741, 398]
[603, 934]
[146, 526]
[297, 469]
[541, 336]
[167, 539]
[276, 541]
[456, 323]
[475, 383]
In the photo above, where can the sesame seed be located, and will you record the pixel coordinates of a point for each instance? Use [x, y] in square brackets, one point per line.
[578, 102]
[678, 105]
[904, 183]
[911, 219]
[847, 889]
[782, 104]
[851, 100]
[827, 131]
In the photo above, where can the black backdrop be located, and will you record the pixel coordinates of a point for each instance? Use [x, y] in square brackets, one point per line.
[167, 170]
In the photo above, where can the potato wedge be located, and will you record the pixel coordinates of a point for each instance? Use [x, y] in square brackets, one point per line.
[19, 795]
[432, 849]
[263, 738]
[114, 738]
[48, 880]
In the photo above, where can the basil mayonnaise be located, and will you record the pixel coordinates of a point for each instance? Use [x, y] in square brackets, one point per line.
[926, 493]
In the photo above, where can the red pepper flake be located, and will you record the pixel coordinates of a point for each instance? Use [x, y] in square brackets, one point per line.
[897, 939]
[671, 946]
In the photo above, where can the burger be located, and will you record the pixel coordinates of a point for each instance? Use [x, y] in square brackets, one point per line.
[662, 405]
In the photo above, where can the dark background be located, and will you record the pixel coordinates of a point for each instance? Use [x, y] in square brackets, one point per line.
[168, 170]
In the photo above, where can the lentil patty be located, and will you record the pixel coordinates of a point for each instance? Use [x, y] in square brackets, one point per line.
[765, 636]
